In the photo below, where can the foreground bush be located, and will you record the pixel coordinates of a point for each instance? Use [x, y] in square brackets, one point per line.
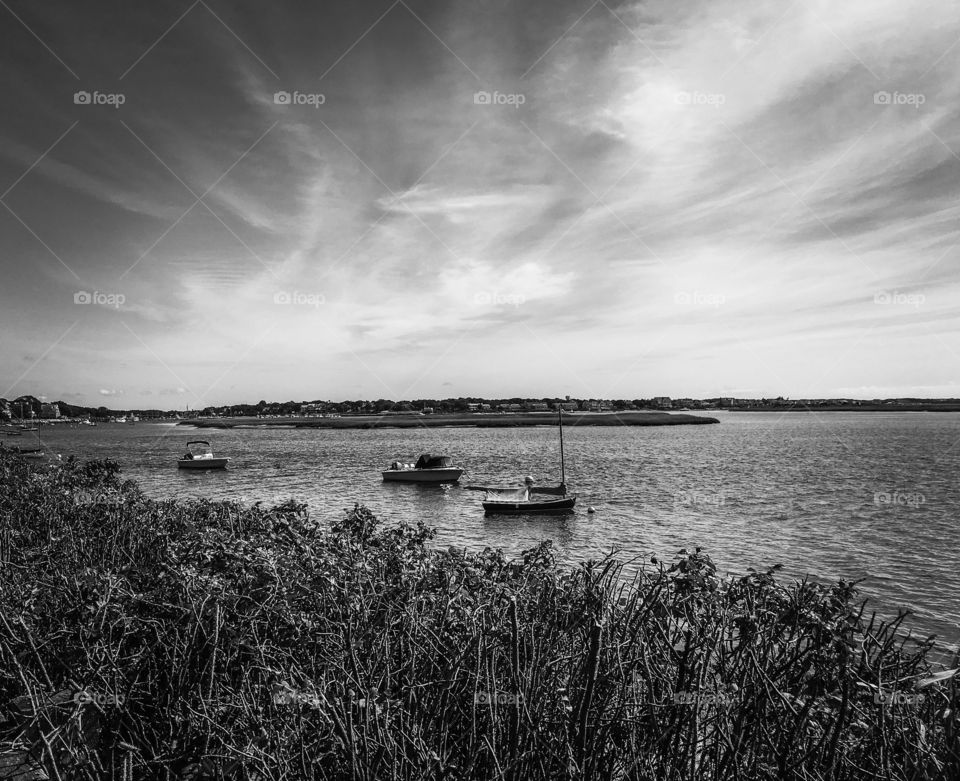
[192, 639]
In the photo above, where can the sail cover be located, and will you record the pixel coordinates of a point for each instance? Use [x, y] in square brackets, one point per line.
[506, 494]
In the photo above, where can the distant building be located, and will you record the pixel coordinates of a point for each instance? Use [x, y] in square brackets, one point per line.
[49, 411]
[662, 402]
[567, 406]
[511, 407]
[537, 406]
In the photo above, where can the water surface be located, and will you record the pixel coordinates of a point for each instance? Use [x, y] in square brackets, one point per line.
[869, 496]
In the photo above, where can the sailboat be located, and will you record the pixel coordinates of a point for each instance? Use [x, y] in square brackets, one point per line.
[506, 502]
[27, 451]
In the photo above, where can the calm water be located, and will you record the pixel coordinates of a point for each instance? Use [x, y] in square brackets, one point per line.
[869, 496]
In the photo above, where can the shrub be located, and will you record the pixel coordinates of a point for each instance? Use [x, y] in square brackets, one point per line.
[197, 639]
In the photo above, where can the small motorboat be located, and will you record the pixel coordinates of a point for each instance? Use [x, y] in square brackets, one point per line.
[201, 457]
[427, 469]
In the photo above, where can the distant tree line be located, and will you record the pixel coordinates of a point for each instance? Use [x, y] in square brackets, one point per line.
[30, 406]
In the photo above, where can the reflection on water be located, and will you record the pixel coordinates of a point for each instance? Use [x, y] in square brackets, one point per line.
[869, 496]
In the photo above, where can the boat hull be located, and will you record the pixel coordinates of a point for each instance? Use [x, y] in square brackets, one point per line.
[202, 463]
[525, 508]
[439, 475]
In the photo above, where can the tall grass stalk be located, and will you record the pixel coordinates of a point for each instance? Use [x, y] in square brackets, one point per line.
[194, 639]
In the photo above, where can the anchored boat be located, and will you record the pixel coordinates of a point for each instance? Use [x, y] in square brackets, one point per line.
[29, 447]
[500, 506]
[427, 469]
[520, 501]
[200, 456]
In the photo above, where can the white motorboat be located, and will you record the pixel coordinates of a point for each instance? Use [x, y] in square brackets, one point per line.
[201, 457]
[427, 469]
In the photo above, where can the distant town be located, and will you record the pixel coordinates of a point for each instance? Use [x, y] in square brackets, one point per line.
[34, 409]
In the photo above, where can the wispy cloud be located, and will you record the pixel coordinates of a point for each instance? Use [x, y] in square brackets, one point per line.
[686, 198]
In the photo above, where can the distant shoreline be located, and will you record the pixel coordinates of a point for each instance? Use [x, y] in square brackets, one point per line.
[849, 408]
[465, 420]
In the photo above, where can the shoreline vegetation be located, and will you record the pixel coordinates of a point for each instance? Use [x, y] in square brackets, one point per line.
[467, 419]
[190, 639]
[30, 409]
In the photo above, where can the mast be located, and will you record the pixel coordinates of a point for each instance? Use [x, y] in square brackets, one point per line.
[563, 474]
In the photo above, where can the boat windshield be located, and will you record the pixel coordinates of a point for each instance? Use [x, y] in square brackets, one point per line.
[198, 450]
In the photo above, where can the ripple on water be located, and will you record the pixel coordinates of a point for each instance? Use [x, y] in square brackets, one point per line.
[759, 489]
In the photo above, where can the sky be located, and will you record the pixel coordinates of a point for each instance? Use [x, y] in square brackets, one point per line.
[219, 202]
